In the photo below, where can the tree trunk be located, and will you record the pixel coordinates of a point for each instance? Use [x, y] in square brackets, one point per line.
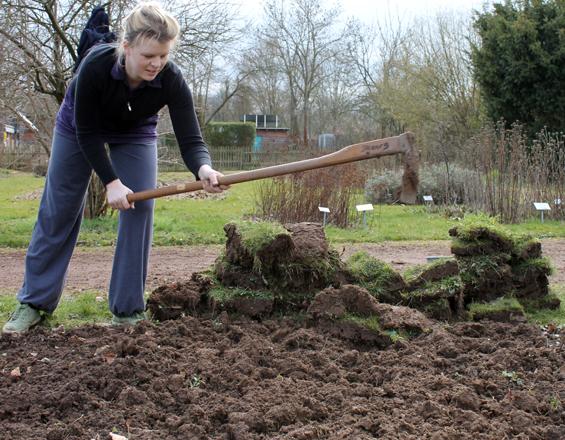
[305, 133]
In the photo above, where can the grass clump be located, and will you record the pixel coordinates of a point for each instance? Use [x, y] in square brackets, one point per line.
[440, 299]
[415, 274]
[506, 305]
[477, 227]
[525, 246]
[318, 269]
[223, 294]
[371, 323]
[551, 301]
[540, 265]
[369, 270]
[445, 288]
[474, 270]
[378, 277]
[256, 235]
[543, 316]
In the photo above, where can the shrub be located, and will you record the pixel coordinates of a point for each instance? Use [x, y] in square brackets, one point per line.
[514, 172]
[296, 197]
[447, 185]
[382, 188]
[40, 170]
[230, 134]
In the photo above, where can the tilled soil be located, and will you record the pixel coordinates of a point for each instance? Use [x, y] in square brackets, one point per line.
[196, 378]
[221, 378]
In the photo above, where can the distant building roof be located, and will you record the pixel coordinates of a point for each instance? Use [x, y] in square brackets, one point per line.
[262, 121]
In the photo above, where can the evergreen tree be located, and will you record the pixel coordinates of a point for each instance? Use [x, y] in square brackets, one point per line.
[520, 62]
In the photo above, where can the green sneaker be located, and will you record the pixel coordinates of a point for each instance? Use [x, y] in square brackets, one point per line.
[23, 318]
[129, 320]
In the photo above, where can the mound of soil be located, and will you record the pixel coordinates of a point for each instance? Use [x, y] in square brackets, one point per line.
[220, 379]
[352, 313]
[281, 269]
[298, 261]
[493, 265]
[171, 301]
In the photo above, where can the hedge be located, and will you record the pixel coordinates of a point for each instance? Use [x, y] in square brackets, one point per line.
[230, 134]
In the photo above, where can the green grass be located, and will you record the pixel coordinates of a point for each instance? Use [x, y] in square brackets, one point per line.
[255, 235]
[223, 294]
[201, 221]
[88, 307]
[546, 316]
[394, 223]
[503, 304]
[177, 221]
[371, 322]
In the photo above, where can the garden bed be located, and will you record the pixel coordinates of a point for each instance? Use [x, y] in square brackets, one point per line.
[281, 379]
[225, 362]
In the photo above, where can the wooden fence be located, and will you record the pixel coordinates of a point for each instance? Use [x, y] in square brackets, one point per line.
[25, 156]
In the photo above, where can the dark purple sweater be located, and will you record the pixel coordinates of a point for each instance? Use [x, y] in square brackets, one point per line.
[99, 107]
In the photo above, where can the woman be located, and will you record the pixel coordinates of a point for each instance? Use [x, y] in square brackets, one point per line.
[114, 98]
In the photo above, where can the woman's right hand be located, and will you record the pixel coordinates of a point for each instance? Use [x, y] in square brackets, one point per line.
[116, 194]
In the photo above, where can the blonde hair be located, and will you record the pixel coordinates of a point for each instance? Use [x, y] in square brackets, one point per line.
[148, 20]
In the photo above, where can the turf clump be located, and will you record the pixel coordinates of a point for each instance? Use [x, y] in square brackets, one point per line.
[505, 309]
[253, 303]
[439, 299]
[269, 268]
[291, 262]
[419, 275]
[529, 277]
[494, 263]
[378, 277]
[352, 313]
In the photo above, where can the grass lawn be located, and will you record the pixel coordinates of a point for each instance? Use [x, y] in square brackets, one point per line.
[200, 221]
[177, 221]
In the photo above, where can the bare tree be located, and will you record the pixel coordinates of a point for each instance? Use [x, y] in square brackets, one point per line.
[418, 76]
[266, 78]
[303, 36]
[377, 53]
[335, 104]
[208, 34]
[39, 40]
[443, 71]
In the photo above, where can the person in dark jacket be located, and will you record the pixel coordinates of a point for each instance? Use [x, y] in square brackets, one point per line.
[97, 30]
[113, 99]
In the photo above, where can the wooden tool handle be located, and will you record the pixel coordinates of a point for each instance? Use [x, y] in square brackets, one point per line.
[403, 144]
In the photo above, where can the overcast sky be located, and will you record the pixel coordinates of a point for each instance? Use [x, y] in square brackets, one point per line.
[376, 10]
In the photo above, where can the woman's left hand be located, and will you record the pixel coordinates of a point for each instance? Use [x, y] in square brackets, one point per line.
[209, 178]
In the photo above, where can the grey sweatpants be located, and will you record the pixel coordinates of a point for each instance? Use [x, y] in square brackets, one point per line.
[60, 215]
